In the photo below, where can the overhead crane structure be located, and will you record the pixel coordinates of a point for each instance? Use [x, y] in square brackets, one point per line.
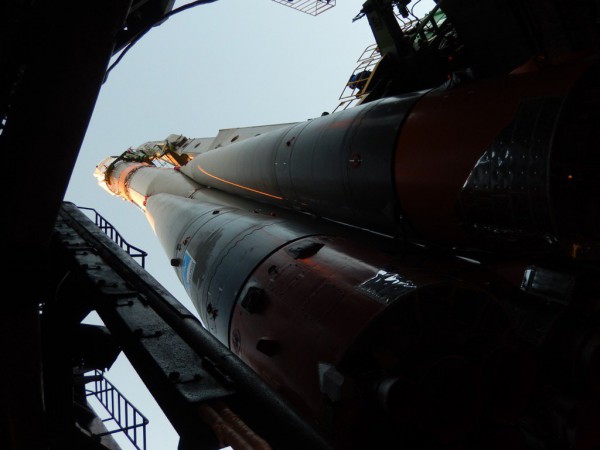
[312, 7]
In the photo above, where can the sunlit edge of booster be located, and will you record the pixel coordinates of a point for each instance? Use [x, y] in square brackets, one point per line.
[338, 166]
[481, 165]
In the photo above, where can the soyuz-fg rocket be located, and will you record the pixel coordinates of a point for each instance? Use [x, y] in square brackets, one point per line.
[388, 268]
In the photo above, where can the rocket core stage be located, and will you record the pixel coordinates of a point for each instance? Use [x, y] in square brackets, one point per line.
[295, 244]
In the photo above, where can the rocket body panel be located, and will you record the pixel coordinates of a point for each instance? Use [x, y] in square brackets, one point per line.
[470, 165]
[227, 136]
[137, 182]
[216, 248]
[336, 166]
[300, 301]
[240, 158]
[487, 166]
[308, 325]
[152, 180]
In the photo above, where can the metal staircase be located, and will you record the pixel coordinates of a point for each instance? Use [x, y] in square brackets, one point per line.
[123, 417]
[116, 237]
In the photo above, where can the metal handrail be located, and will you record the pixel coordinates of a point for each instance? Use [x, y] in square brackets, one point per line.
[126, 416]
[115, 236]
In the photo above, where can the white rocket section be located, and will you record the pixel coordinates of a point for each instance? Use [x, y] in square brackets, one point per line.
[226, 136]
[137, 181]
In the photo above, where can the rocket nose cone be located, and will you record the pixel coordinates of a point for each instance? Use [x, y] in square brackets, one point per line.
[101, 173]
[102, 167]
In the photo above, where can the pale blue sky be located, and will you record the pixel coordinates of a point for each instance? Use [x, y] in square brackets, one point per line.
[231, 63]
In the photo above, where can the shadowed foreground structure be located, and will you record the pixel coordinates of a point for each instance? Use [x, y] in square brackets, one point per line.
[420, 269]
